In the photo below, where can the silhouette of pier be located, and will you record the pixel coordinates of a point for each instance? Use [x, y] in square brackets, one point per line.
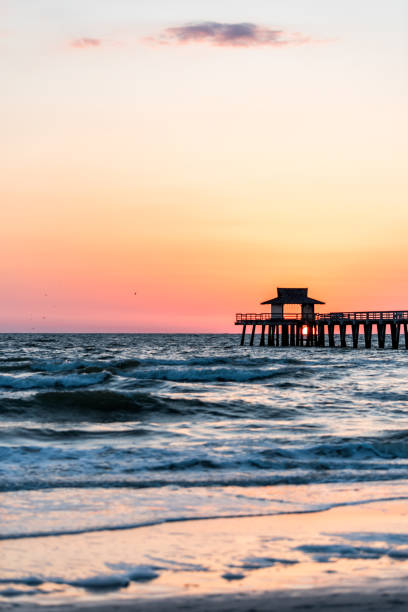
[308, 328]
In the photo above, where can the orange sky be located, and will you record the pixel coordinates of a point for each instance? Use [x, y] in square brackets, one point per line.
[199, 176]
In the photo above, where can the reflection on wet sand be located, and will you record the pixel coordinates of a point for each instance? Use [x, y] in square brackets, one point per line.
[359, 548]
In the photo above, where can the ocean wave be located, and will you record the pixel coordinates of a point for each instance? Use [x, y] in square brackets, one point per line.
[383, 395]
[14, 366]
[51, 434]
[219, 374]
[189, 464]
[83, 365]
[40, 381]
[124, 364]
[219, 360]
[201, 479]
[104, 403]
[362, 449]
[107, 405]
[190, 517]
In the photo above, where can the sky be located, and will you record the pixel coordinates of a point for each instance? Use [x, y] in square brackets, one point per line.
[166, 164]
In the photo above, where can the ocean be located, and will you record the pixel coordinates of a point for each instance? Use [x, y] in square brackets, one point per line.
[111, 433]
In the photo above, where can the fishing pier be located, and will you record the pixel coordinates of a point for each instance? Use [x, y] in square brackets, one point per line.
[285, 327]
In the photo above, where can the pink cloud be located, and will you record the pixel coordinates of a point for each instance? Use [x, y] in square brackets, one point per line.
[229, 34]
[84, 43]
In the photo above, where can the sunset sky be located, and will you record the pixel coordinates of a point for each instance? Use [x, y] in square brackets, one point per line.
[165, 164]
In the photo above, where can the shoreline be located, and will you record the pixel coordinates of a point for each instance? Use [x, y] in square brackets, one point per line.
[347, 557]
[297, 600]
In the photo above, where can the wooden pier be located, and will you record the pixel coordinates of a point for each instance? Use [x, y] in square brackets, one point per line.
[308, 328]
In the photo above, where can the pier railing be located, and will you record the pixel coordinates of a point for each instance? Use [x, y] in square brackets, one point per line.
[263, 316]
[370, 315]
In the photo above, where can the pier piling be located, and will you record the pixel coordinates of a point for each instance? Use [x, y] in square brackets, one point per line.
[321, 340]
[395, 334]
[343, 328]
[381, 334]
[298, 328]
[355, 328]
[285, 335]
[330, 331]
[368, 328]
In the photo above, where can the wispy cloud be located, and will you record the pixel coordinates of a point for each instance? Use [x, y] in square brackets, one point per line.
[229, 35]
[84, 43]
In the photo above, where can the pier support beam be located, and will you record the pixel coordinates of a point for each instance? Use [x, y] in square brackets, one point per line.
[309, 337]
[368, 328]
[262, 340]
[343, 328]
[406, 335]
[243, 335]
[285, 334]
[298, 328]
[355, 326]
[330, 329]
[381, 334]
[277, 335]
[251, 342]
[395, 334]
[292, 335]
[271, 339]
[321, 339]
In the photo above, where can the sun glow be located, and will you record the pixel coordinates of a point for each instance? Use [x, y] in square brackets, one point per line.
[305, 330]
[95, 242]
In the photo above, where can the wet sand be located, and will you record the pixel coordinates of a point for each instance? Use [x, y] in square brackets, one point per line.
[353, 557]
[291, 601]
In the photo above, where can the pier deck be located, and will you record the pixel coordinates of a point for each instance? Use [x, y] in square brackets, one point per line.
[287, 329]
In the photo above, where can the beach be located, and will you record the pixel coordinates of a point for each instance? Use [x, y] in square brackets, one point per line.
[187, 472]
[350, 556]
[345, 557]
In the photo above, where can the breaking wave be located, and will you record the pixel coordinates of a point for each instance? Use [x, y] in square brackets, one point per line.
[109, 405]
[41, 381]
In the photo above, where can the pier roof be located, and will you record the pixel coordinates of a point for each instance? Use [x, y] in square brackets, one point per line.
[292, 296]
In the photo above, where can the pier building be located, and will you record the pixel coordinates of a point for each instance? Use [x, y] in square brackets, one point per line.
[283, 326]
